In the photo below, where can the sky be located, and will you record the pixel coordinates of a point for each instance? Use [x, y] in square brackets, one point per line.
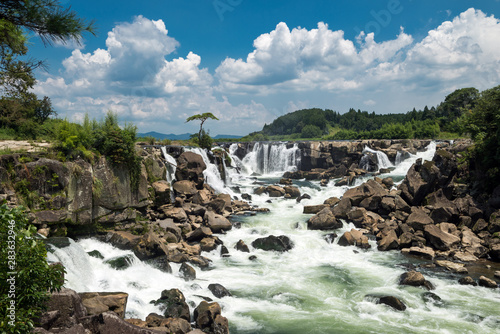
[157, 62]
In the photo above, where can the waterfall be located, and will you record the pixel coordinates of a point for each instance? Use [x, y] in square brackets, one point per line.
[268, 158]
[211, 173]
[398, 158]
[382, 158]
[171, 168]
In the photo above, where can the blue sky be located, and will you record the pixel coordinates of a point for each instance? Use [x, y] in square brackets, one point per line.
[158, 62]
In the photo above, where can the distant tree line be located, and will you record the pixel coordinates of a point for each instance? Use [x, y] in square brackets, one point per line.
[357, 124]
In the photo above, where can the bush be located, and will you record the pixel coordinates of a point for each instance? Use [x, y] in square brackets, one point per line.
[206, 141]
[311, 131]
[34, 280]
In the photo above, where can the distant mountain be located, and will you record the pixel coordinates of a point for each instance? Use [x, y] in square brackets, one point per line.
[226, 137]
[161, 136]
[183, 136]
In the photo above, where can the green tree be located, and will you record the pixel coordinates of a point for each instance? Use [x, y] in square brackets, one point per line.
[202, 118]
[483, 124]
[19, 108]
[311, 131]
[26, 279]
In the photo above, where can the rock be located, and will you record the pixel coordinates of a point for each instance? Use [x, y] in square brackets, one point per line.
[294, 192]
[199, 234]
[122, 240]
[217, 205]
[388, 182]
[242, 246]
[425, 252]
[96, 254]
[272, 243]
[432, 298]
[208, 244]
[313, 209]
[324, 220]
[452, 266]
[413, 278]
[202, 197]
[418, 219]
[389, 241]
[162, 192]
[190, 166]
[332, 201]
[494, 225]
[207, 317]
[69, 307]
[187, 272]
[173, 304]
[218, 290]
[342, 208]
[149, 247]
[419, 180]
[467, 280]
[275, 191]
[185, 187]
[286, 181]
[354, 238]
[120, 262]
[439, 239]
[161, 263]
[176, 213]
[110, 323]
[487, 282]
[494, 252]
[368, 189]
[246, 197]
[100, 302]
[303, 196]
[217, 223]
[391, 301]
[224, 252]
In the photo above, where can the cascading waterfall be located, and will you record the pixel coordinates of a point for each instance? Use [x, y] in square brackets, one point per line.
[268, 158]
[317, 287]
[211, 173]
[171, 168]
[382, 158]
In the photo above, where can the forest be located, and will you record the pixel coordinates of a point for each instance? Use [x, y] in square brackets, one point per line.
[441, 121]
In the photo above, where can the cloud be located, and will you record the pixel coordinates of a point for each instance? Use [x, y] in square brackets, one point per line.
[139, 75]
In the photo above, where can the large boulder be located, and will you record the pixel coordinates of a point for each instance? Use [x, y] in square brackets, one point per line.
[218, 290]
[208, 318]
[273, 243]
[149, 247]
[173, 304]
[391, 301]
[190, 166]
[420, 179]
[418, 219]
[100, 302]
[185, 187]
[354, 238]
[292, 191]
[371, 188]
[217, 223]
[275, 191]
[162, 192]
[439, 239]
[388, 241]
[414, 278]
[324, 220]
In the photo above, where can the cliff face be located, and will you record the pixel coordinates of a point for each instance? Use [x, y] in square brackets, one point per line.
[328, 154]
[77, 193]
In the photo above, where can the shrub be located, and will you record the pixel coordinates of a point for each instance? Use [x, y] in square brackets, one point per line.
[33, 280]
[311, 131]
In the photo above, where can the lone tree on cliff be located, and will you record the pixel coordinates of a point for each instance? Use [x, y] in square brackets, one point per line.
[202, 118]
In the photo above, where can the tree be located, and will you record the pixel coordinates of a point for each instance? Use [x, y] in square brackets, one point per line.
[202, 118]
[26, 279]
[19, 108]
[483, 123]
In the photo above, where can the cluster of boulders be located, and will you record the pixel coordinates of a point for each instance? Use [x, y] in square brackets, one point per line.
[430, 214]
[103, 313]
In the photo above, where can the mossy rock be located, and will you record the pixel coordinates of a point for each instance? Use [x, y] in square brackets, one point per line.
[96, 254]
[120, 262]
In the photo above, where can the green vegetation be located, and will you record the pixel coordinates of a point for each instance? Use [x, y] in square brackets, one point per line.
[34, 278]
[442, 121]
[103, 137]
[483, 124]
[203, 138]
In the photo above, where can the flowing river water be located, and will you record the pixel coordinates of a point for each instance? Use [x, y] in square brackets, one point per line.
[317, 287]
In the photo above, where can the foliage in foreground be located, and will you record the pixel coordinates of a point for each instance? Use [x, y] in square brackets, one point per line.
[34, 278]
